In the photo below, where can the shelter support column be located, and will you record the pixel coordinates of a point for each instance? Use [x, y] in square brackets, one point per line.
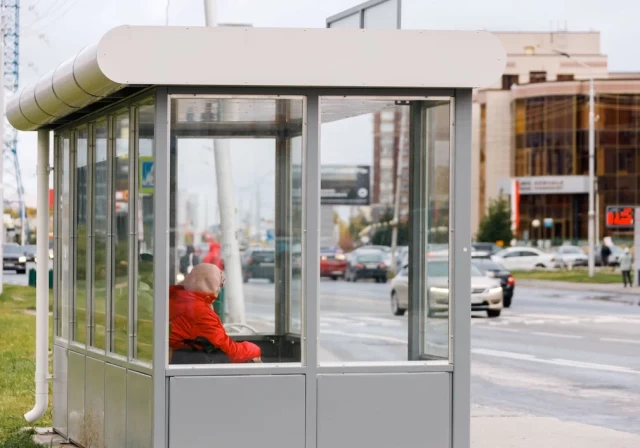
[42, 282]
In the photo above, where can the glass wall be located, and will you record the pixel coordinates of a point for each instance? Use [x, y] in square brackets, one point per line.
[145, 187]
[236, 196]
[99, 235]
[378, 304]
[81, 233]
[105, 181]
[64, 210]
[552, 139]
[120, 234]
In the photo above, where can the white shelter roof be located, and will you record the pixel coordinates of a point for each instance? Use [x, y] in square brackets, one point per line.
[264, 57]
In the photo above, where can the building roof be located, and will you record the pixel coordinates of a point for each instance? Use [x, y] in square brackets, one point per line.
[131, 56]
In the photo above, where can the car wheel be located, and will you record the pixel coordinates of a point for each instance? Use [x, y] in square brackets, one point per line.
[506, 301]
[245, 279]
[383, 279]
[334, 277]
[395, 305]
[494, 313]
[540, 266]
[21, 271]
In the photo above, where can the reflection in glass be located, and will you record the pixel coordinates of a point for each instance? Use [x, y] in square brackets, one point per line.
[145, 228]
[65, 240]
[241, 155]
[436, 297]
[120, 266]
[100, 206]
[82, 191]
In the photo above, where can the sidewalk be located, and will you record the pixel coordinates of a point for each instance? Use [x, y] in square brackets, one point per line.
[494, 428]
[632, 294]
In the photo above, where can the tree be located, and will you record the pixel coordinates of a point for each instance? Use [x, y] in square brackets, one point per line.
[496, 225]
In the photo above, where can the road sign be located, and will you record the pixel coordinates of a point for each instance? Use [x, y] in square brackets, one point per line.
[147, 175]
[619, 216]
[345, 185]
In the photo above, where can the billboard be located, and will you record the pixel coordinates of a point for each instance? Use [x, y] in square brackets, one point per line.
[620, 216]
[345, 185]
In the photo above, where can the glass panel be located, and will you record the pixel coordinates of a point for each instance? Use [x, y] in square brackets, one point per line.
[359, 180]
[145, 228]
[120, 265]
[236, 196]
[100, 206]
[65, 240]
[82, 192]
[435, 304]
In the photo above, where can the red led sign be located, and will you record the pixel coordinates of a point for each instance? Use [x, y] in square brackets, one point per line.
[619, 216]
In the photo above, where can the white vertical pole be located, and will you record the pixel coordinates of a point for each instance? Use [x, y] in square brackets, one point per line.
[396, 202]
[42, 281]
[2, 230]
[591, 177]
[234, 293]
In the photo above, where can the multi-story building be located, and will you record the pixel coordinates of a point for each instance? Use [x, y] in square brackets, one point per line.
[533, 124]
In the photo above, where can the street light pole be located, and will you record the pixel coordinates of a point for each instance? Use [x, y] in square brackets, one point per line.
[592, 151]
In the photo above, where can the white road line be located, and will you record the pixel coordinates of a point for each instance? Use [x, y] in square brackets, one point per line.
[381, 338]
[557, 362]
[508, 330]
[556, 335]
[624, 341]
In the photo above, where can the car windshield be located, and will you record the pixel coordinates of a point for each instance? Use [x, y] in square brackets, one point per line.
[571, 250]
[475, 272]
[438, 269]
[616, 250]
[13, 250]
[502, 253]
[263, 255]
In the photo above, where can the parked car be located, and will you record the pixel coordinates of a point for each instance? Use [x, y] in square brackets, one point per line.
[493, 270]
[14, 258]
[367, 265]
[486, 292]
[525, 259]
[258, 263]
[572, 256]
[333, 263]
[490, 248]
[614, 258]
[30, 252]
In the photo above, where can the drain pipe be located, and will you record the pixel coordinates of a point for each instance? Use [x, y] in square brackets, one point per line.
[42, 282]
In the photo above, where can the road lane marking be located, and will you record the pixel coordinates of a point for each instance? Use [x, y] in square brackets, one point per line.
[556, 335]
[556, 362]
[389, 339]
[624, 341]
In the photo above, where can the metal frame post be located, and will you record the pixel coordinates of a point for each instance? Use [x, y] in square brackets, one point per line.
[311, 262]
[459, 253]
[161, 268]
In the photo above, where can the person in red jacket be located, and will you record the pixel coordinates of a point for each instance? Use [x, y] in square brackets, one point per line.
[197, 335]
[213, 257]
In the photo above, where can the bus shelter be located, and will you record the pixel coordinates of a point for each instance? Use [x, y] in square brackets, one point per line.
[131, 118]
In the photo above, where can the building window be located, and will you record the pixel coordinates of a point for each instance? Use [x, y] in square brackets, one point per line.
[535, 77]
[565, 77]
[508, 81]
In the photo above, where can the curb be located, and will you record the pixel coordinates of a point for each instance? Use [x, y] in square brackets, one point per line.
[630, 297]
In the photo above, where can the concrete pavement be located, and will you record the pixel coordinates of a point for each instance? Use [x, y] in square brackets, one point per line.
[494, 428]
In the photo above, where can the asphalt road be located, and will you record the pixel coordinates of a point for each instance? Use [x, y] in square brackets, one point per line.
[569, 355]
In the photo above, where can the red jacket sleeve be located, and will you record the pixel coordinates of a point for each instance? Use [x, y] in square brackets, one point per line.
[210, 326]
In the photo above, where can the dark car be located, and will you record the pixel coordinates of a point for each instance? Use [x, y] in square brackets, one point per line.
[258, 263]
[30, 252]
[14, 258]
[367, 265]
[493, 270]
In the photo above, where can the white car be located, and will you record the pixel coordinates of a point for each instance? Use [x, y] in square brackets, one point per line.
[525, 259]
[486, 293]
[572, 256]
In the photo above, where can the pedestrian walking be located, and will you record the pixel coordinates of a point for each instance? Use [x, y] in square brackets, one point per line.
[605, 253]
[625, 266]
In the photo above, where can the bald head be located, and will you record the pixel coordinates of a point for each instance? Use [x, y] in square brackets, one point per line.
[204, 278]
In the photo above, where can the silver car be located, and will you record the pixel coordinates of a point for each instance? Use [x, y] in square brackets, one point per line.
[486, 293]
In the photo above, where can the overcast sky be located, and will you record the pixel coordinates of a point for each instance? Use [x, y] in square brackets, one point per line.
[55, 30]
